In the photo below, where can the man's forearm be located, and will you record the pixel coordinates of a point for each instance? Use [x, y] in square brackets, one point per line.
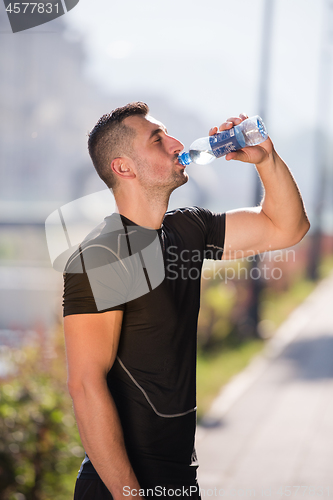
[282, 201]
[102, 437]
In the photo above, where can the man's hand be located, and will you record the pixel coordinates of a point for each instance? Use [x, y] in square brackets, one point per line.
[280, 221]
[251, 154]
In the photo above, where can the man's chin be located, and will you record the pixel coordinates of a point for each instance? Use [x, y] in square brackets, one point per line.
[182, 179]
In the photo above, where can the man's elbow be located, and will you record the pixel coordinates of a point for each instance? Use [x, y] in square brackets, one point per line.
[300, 232]
[75, 388]
[86, 386]
[305, 226]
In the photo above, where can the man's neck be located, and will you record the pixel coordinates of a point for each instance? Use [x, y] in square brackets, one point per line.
[146, 213]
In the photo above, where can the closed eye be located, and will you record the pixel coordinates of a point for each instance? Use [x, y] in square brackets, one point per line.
[156, 135]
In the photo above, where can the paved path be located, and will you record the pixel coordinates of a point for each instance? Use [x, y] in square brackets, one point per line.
[272, 426]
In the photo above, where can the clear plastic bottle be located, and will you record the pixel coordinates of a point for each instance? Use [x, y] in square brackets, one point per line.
[250, 132]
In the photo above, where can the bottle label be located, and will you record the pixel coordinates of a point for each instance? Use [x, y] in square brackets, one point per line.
[224, 142]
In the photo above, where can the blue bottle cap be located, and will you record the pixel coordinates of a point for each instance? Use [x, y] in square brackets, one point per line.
[184, 159]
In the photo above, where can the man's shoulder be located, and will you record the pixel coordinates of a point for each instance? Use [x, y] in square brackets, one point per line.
[105, 244]
[194, 214]
[184, 212]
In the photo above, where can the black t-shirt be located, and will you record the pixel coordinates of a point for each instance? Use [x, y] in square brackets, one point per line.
[154, 277]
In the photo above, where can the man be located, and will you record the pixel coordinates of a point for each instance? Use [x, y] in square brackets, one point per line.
[130, 330]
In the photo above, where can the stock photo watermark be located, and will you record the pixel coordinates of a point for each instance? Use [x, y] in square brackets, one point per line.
[25, 15]
[178, 265]
[266, 492]
[123, 262]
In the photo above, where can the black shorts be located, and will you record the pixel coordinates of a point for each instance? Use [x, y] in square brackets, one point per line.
[91, 489]
[95, 489]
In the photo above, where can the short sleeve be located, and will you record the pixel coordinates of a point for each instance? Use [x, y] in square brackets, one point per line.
[215, 236]
[97, 278]
[90, 288]
[213, 227]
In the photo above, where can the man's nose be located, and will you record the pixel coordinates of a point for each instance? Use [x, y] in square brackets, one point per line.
[175, 145]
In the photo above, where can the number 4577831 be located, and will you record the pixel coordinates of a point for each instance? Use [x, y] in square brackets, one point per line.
[31, 7]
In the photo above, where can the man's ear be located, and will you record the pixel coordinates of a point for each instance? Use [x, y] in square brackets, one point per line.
[123, 167]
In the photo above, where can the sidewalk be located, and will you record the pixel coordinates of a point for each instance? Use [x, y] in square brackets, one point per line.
[272, 426]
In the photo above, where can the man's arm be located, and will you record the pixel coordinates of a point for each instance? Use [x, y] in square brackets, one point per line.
[91, 346]
[280, 221]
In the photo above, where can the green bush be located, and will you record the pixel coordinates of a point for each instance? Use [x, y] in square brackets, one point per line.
[40, 449]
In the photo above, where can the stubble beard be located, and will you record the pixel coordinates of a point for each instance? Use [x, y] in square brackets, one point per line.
[162, 191]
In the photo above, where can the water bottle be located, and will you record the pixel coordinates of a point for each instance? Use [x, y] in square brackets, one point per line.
[249, 132]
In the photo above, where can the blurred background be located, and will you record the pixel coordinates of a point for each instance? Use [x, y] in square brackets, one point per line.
[195, 64]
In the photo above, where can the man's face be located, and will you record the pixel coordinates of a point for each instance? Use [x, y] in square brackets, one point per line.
[156, 154]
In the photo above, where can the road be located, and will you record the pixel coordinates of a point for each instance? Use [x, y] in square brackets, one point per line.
[270, 431]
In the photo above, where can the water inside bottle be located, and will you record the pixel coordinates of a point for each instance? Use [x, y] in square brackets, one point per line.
[202, 157]
[254, 131]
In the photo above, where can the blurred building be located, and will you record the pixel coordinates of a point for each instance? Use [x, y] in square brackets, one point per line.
[47, 106]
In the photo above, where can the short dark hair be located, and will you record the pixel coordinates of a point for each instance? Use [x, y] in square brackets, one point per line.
[110, 138]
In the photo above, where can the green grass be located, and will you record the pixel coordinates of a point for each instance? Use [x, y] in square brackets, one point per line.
[326, 266]
[216, 369]
[277, 306]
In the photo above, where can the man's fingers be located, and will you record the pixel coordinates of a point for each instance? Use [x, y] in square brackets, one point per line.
[234, 119]
[226, 125]
[213, 131]
[229, 123]
[232, 156]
